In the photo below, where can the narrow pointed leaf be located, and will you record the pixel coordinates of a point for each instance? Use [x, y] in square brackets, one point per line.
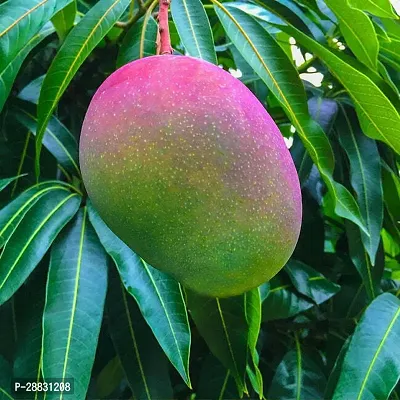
[380, 8]
[12, 214]
[365, 176]
[215, 381]
[74, 51]
[64, 20]
[32, 90]
[377, 115]
[29, 310]
[139, 41]
[283, 302]
[5, 182]
[270, 62]
[297, 377]
[358, 31]
[142, 358]
[310, 283]
[158, 296]
[253, 317]
[223, 325]
[371, 367]
[75, 296]
[109, 379]
[32, 238]
[10, 71]
[20, 21]
[5, 379]
[57, 138]
[194, 29]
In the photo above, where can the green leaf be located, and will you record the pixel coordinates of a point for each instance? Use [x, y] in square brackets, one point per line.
[57, 138]
[253, 316]
[29, 312]
[20, 21]
[139, 41]
[272, 65]
[310, 283]
[194, 29]
[109, 378]
[74, 51]
[370, 276]
[371, 367]
[391, 192]
[282, 302]
[5, 379]
[158, 296]
[377, 115]
[10, 71]
[297, 377]
[12, 214]
[358, 31]
[5, 182]
[215, 381]
[72, 320]
[32, 238]
[365, 175]
[223, 325]
[391, 49]
[380, 8]
[143, 360]
[32, 90]
[64, 20]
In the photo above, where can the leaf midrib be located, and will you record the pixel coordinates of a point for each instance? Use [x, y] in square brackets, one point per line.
[376, 355]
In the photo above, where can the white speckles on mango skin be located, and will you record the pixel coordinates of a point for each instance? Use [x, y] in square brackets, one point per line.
[185, 165]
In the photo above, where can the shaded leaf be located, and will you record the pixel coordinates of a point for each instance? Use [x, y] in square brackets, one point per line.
[71, 321]
[282, 302]
[297, 377]
[64, 20]
[372, 353]
[358, 31]
[158, 296]
[109, 378]
[57, 138]
[365, 176]
[5, 182]
[32, 90]
[139, 41]
[32, 237]
[194, 29]
[215, 381]
[143, 360]
[309, 282]
[76, 48]
[5, 379]
[223, 325]
[272, 65]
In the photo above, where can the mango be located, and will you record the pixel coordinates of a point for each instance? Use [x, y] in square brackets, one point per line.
[186, 166]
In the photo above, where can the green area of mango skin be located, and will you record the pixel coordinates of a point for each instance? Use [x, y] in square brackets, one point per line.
[186, 167]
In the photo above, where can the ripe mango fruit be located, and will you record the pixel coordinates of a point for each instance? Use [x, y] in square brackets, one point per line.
[186, 166]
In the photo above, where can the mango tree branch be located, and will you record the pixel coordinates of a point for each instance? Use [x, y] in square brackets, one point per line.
[142, 10]
[163, 38]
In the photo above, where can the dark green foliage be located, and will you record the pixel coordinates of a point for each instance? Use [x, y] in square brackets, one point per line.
[76, 302]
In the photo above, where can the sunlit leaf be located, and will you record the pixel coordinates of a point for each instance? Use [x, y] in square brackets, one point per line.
[158, 296]
[194, 29]
[371, 366]
[76, 48]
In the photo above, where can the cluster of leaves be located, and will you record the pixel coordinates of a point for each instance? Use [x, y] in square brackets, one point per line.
[76, 302]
